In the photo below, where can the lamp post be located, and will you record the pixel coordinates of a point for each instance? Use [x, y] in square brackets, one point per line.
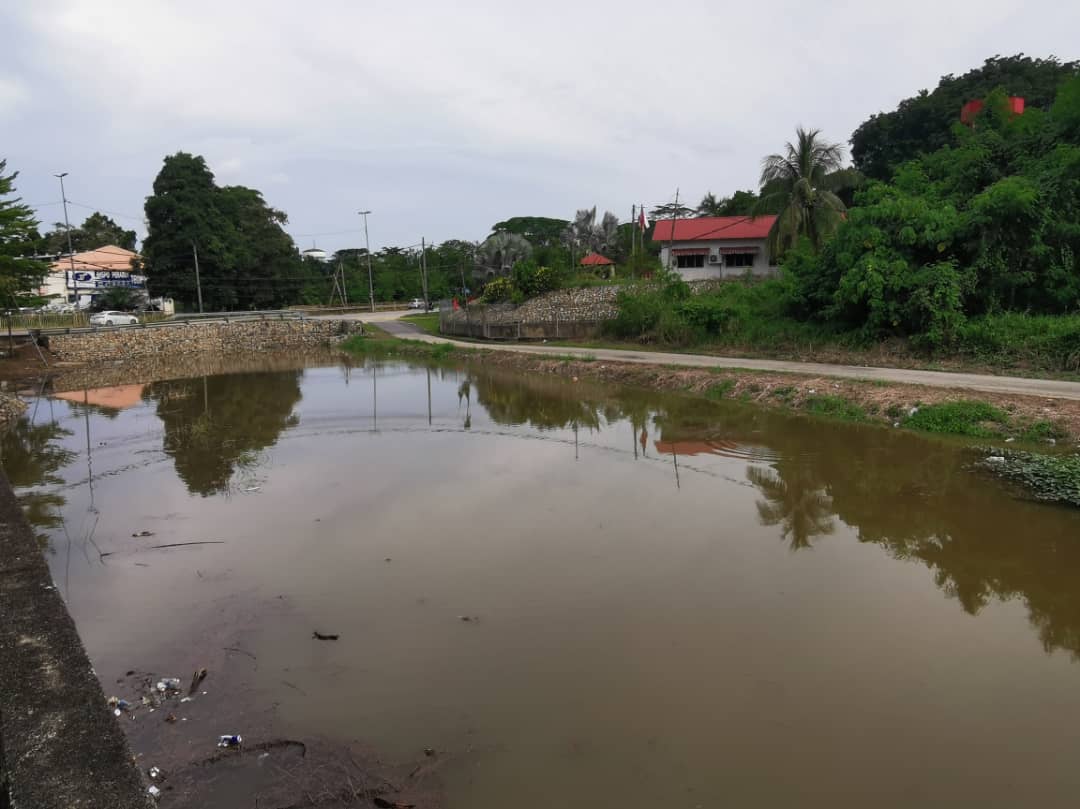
[367, 248]
[67, 227]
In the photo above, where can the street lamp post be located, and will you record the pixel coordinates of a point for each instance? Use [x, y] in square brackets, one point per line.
[367, 248]
[67, 227]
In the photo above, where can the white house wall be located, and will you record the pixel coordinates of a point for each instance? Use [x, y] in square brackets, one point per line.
[761, 267]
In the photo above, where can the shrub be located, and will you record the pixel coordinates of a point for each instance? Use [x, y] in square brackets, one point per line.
[497, 290]
[956, 418]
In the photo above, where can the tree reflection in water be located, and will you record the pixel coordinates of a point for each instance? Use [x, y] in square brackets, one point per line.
[794, 501]
[216, 425]
[31, 456]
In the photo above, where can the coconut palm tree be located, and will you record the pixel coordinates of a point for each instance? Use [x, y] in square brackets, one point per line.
[501, 251]
[800, 184]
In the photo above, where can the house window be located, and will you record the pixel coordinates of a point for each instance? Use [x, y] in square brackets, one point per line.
[689, 262]
[739, 260]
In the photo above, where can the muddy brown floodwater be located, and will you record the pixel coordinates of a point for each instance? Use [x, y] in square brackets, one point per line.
[670, 602]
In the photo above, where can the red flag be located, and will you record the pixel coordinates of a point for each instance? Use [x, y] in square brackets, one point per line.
[643, 221]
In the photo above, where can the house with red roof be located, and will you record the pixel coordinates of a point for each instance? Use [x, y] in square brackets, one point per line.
[712, 247]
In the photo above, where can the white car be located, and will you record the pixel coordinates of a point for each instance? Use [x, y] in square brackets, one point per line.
[113, 319]
[416, 303]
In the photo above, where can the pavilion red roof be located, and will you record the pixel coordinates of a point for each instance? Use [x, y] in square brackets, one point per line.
[714, 228]
[596, 260]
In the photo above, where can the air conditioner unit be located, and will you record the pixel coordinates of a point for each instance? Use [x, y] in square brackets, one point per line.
[714, 259]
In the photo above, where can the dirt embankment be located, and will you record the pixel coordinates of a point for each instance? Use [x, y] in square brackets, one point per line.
[887, 403]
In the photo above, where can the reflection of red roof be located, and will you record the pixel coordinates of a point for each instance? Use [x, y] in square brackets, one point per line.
[714, 228]
[596, 260]
[115, 398]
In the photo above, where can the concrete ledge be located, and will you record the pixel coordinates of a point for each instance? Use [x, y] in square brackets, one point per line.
[60, 746]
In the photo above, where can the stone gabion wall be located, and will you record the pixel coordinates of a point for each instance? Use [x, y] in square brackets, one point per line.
[188, 338]
[590, 304]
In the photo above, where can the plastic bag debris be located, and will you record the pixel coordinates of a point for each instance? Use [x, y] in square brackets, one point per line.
[155, 793]
[143, 534]
[168, 684]
[321, 636]
[230, 740]
[155, 772]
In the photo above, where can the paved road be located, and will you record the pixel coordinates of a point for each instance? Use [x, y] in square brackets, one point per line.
[939, 379]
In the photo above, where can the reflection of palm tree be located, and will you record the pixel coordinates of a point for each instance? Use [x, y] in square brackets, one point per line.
[795, 502]
[464, 391]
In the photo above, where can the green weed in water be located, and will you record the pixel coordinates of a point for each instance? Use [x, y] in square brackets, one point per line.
[1051, 478]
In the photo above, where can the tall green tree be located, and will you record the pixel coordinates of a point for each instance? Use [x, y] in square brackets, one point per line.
[246, 260]
[741, 203]
[795, 183]
[19, 276]
[541, 231]
[924, 123]
[98, 230]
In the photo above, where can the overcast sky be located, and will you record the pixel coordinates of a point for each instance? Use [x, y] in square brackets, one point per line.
[443, 118]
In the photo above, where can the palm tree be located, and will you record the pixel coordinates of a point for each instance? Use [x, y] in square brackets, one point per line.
[799, 184]
[710, 205]
[501, 251]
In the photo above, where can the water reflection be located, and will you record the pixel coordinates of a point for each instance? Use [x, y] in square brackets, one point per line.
[219, 424]
[32, 456]
[916, 499]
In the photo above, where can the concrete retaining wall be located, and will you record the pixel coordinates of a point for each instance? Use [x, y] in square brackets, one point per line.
[195, 337]
[60, 746]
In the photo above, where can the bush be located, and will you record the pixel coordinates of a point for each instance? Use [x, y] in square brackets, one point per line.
[497, 290]
[957, 418]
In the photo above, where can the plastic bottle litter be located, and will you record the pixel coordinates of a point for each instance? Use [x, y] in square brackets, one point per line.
[231, 740]
[155, 772]
[155, 793]
[168, 684]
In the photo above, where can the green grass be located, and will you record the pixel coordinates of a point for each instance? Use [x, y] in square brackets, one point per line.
[428, 322]
[968, 418]
[378, 344]
[721, 390]
[835, 407]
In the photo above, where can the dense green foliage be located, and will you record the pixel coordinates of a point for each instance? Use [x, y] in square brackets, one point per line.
[923, 124]
[540, 231]
[97, 230]
[246, 259]
[741, 203]
[970, 418]
[1051, 478]
[18, 276]
[988, 224]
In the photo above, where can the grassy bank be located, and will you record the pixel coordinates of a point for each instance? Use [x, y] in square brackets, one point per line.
[428, 322]
[1044, 427]
[753, 319]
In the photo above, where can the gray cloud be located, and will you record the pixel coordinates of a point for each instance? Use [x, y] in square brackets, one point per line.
[444, 118]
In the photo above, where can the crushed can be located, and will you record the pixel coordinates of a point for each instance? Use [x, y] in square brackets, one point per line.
[230, 740]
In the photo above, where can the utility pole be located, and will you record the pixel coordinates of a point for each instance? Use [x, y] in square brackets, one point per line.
[198, 283]
[423, 271]
[367, 247]
[671, 241]
[67, 227]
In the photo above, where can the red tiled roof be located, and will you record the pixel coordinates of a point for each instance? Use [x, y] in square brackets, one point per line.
[595, 259]
[713, 228]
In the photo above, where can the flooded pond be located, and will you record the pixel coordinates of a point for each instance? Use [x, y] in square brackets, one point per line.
[672, 602]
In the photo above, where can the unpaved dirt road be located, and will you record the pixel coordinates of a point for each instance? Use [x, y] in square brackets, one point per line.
[1048, 388]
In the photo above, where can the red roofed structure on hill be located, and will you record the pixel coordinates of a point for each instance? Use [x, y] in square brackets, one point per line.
[710, 247]
[596, 260]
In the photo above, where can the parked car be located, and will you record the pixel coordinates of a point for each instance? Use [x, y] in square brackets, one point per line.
[416, 303]
[113, 319]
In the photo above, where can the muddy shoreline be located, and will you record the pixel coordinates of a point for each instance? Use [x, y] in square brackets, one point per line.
[881, 403]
